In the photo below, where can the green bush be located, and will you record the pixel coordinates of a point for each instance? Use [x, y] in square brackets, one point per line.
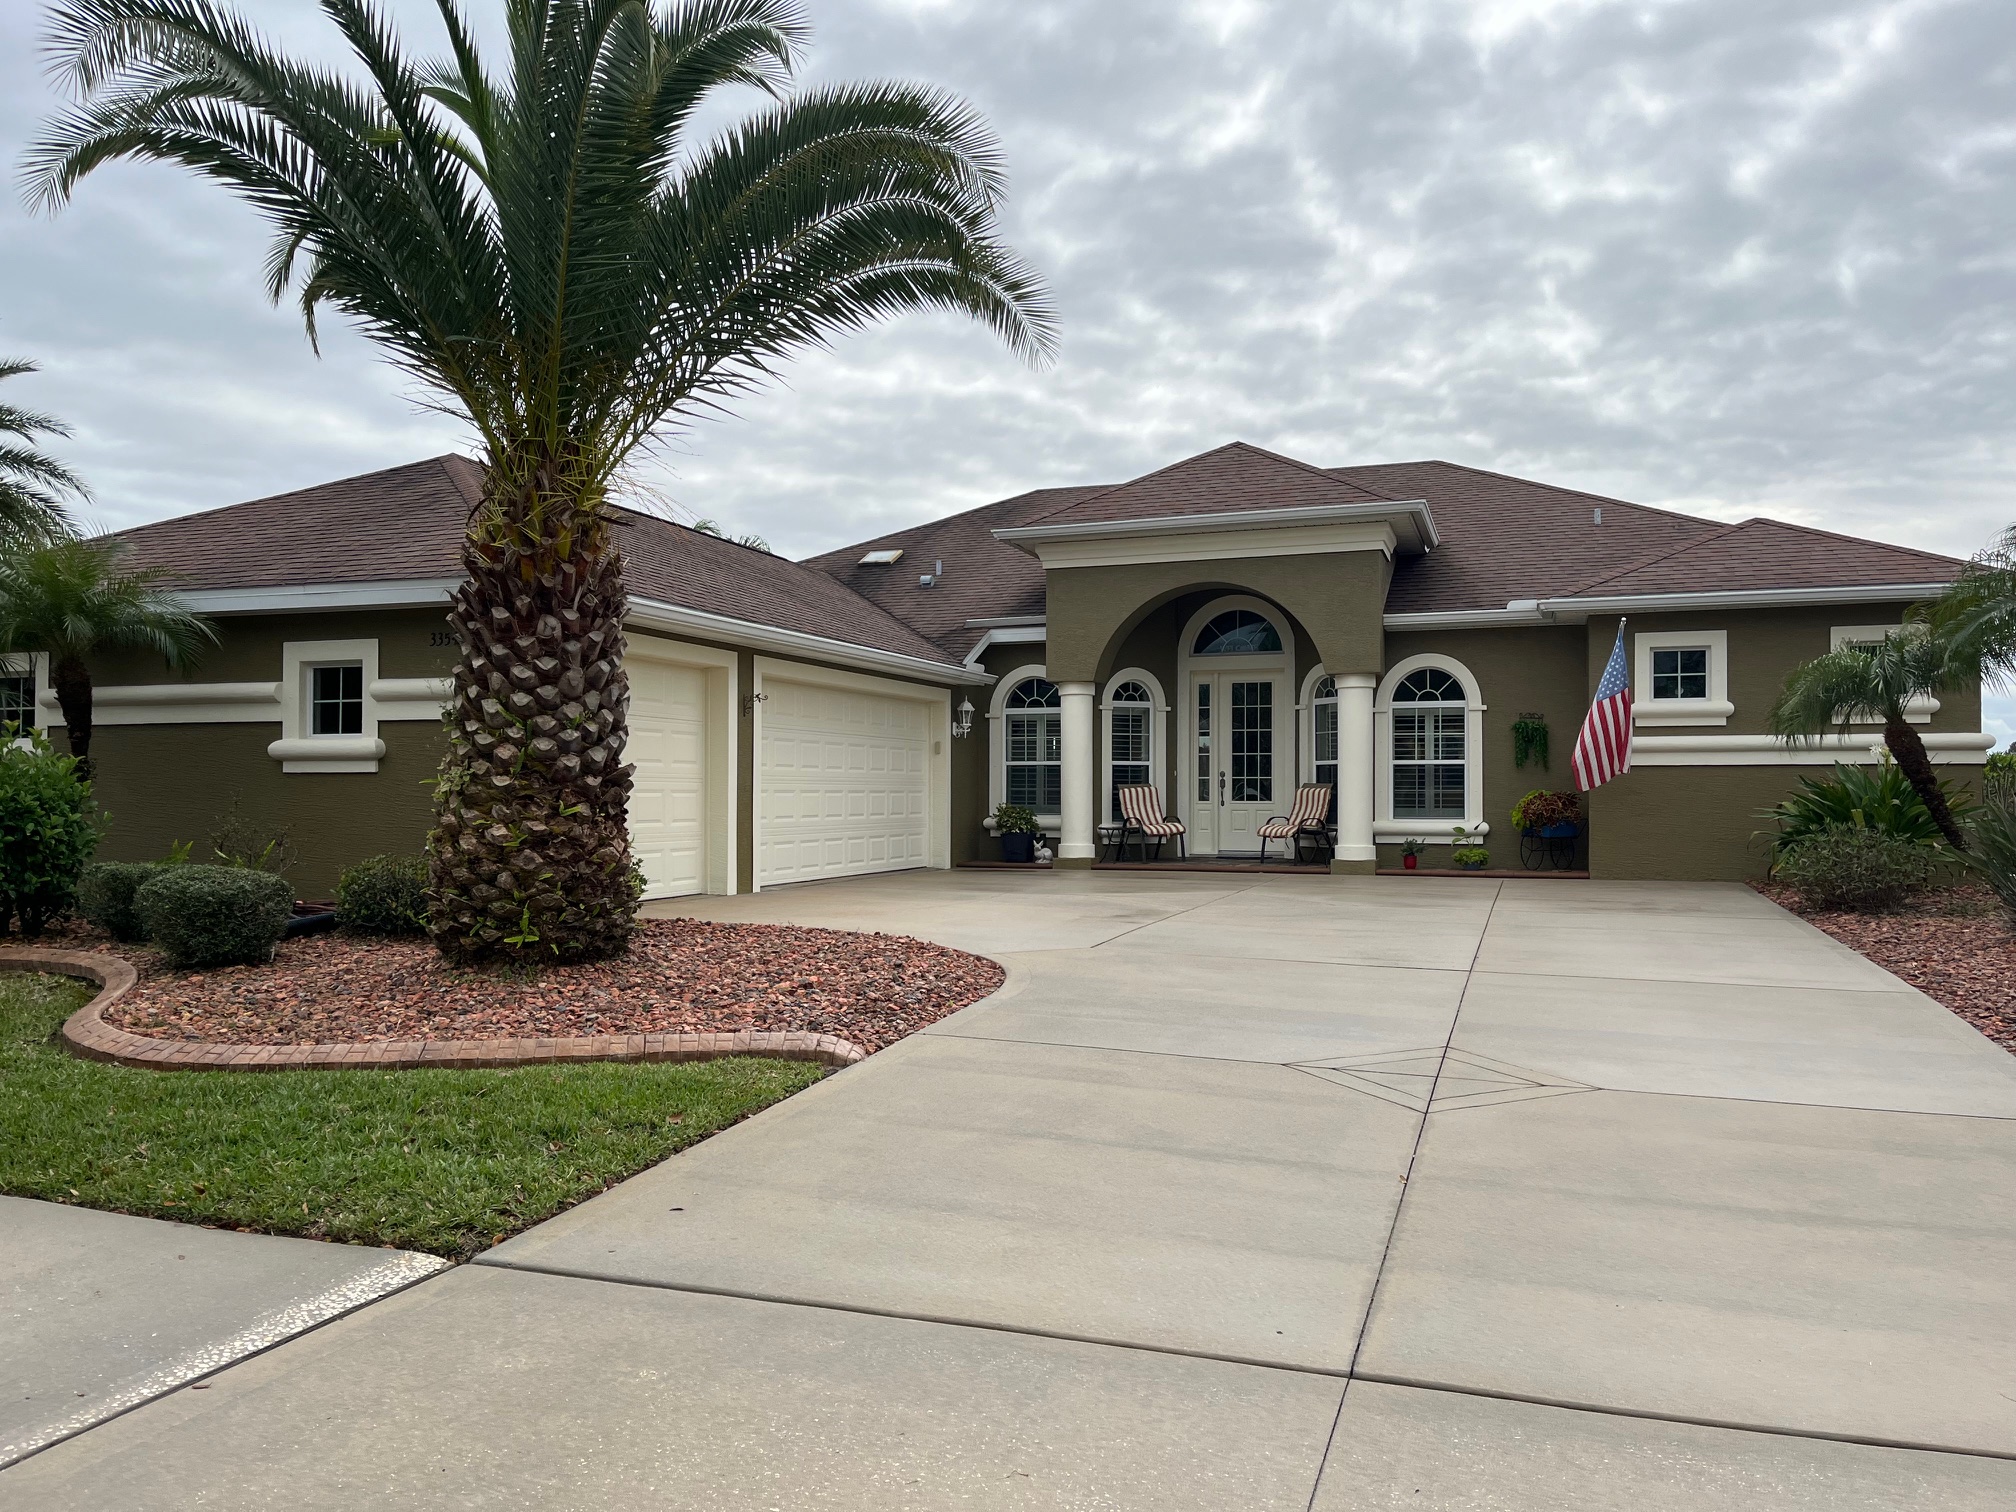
[48, 829]
[384, 895]
[1852, 867]
[105, 896]
[1878, 798]
[1991, 853]
[214, 915]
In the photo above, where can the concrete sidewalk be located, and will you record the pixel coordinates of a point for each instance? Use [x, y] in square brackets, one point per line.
[1245, 1192]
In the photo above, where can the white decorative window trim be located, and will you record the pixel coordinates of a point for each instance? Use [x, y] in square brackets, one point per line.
[299, 750]
[1656, 713]
[42, 699]
[1945, 748]
[997, 745]
[1430, 831]
[1918, 710]
[1158, 725]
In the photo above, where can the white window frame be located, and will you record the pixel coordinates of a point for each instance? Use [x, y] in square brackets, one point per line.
[300, 750]
[1385, 827]
[1918, 710]
[33, 665]
[1158, 718]
[1305, 714]
[997, 745]
[1656, 713]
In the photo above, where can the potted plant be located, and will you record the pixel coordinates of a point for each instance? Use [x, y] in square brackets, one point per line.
[1550, 816]
[1410, 854]
[1018, 830]
[1467, 854]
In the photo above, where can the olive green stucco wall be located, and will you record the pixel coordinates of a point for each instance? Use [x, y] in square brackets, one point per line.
[163, 783]
[1338, 598]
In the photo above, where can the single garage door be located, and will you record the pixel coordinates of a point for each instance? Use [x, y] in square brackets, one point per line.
[843, 783]
[668, 744]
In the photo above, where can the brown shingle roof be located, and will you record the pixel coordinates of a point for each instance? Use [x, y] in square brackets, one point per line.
[1766, 554]
[401, 522]
[407, 522]
[1228, 479]
[984, 578]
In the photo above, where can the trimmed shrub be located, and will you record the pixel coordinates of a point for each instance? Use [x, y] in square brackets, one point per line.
[105, 896]
[1991, 853]
[48, 829]
[1862, 869]
[384, 895]
[1878, 798]
[214, 915]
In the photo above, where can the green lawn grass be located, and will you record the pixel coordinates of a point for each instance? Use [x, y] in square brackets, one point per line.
[443, 1161]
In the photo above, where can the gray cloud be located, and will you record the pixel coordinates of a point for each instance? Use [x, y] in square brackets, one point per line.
[1731, 257]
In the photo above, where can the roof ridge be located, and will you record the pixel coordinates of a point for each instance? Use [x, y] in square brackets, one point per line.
[1660, 555]
[1835, 535]
[1195, 457]
[873, 543]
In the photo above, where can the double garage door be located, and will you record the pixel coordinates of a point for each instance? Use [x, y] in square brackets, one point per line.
[842, 786]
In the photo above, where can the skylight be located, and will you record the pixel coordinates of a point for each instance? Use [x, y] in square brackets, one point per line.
[881, 558]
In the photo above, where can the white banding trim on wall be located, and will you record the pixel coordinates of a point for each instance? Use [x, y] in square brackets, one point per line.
[410, 697]
[400, 1271]
[1771, 750]
[182, 703]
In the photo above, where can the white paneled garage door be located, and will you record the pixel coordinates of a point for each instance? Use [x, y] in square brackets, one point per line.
[668, 744]
[843, 783]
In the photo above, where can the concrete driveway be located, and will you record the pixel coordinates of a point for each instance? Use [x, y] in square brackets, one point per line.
[1245, 1192]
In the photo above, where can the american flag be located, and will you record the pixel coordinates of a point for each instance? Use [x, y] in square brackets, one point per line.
[1603, 749]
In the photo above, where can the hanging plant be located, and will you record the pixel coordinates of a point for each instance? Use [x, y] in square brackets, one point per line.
[1529, 740]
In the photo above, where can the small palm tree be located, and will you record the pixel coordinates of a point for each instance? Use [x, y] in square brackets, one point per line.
[69, 599]
[1857, 683]
[552, 250]
[33, 484]
[1976, 617]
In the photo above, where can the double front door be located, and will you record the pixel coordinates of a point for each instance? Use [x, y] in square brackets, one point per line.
[1238, 759]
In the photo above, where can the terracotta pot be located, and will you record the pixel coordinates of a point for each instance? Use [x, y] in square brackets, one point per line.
[1410, 861]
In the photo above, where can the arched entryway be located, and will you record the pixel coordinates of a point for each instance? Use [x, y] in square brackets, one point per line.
[1236, 725]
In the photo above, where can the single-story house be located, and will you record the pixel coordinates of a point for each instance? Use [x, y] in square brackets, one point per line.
[1224, 628]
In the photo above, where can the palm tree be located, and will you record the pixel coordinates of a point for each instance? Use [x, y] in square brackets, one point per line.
[1851, 684]
[1977, 615]
[69, 599]
[33, 484]
[550, 250]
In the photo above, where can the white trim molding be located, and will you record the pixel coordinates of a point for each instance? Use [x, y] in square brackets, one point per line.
[393, 593]
[1385, 825]
[655, 614]
[1409, 520]
[1006, 635]
[1715, 709]
[183, 703]
[1918, 710]
[300, 750]
[1945, 748]
[1573, 611]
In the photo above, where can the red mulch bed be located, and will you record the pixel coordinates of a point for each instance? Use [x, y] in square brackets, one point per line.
[1952, 944]
[680, 974]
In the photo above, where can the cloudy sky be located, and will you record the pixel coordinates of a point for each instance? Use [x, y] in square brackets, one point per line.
[1722, 255]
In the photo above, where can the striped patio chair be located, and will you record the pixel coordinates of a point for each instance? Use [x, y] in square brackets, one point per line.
[1141, 816]
[1309, 816]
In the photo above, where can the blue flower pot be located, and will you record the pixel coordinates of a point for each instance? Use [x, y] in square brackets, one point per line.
[1018, 847]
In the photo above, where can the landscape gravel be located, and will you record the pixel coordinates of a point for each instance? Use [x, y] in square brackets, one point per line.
[680, 974]
[1952, 944]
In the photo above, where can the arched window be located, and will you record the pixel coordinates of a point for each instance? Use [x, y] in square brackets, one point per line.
[1237, 632]
[1429, 749]
[1323, 733]
[1130, 729]
[1034, 746]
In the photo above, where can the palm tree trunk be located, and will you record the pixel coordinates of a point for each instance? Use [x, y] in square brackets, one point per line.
[530, 856]
[72, 682]
[1916, 766]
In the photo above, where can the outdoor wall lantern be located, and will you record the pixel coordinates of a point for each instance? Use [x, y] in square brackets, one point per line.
[963, 725]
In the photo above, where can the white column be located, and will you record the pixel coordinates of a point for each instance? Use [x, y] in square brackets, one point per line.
[1079, 779]
[1356, 788]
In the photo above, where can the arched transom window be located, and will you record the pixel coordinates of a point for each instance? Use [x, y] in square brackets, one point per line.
[1428, 746]
[1130, 724]
[1237, 632]
[1034, 746]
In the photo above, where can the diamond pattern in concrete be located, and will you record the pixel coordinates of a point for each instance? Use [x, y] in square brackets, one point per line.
[1436, 1080]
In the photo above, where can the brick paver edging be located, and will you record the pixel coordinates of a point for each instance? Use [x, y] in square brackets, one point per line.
[87, 1034]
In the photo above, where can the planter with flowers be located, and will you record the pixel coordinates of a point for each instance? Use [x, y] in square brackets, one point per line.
[1410, 854]
[1548, 824]
[1467, 854]
[1018, 830]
